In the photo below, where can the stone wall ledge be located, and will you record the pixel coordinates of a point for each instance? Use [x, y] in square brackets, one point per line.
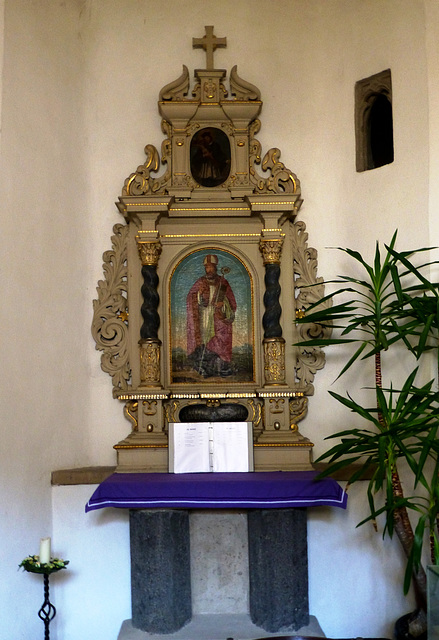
[96, 475]
[82, 475]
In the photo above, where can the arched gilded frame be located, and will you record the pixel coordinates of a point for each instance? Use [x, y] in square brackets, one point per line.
[211, 319]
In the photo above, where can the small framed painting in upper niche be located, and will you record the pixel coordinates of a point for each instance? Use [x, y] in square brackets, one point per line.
[210, 157]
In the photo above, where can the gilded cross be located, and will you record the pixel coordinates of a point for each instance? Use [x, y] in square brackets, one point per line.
[209, 43]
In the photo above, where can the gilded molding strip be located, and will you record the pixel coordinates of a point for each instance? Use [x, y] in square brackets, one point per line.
[280, 394]
[185, 396]
[144, 396]
[241, 395]
[284, 444]
[211, 235]
[191, 396]
[140, 446]
[212, 395]
[145, 204]
[272, 204]
[209, 209]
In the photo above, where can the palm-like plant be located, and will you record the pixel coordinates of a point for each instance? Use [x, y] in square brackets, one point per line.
[393, 304]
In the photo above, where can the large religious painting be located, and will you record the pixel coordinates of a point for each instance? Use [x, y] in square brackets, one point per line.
[211, 322]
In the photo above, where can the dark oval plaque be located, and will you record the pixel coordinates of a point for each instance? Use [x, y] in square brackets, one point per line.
[224, 413]
[210, 157]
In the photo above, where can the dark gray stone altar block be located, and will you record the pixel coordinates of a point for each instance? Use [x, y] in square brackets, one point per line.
[278, 559]
[160, 570]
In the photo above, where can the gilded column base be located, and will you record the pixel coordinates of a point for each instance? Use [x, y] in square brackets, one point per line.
[274, 361]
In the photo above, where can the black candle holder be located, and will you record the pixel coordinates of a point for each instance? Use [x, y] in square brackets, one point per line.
[32, 564]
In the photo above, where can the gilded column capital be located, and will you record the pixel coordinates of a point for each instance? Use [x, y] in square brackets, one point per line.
[271, 250]
[149, 251]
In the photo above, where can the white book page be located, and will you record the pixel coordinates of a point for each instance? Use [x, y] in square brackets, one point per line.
[191, 447]
[231, 447]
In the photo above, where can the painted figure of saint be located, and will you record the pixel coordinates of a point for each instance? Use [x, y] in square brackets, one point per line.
[211, 308]
[209, 164]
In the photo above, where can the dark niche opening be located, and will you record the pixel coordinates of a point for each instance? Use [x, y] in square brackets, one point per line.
[381, 132]
[210, 157]
[227, 412]
[374, 121]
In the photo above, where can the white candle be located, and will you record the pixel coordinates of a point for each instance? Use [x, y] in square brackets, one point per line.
[45, 550]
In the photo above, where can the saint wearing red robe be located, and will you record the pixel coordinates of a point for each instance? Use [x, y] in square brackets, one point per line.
[211, 307]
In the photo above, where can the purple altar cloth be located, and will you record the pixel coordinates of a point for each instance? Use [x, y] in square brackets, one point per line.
[253, 490]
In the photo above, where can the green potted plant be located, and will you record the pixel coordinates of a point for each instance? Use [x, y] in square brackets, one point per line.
[391, 306]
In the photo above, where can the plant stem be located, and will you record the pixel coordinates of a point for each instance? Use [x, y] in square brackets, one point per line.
[378, 377]
[402, 524]
[404, 531]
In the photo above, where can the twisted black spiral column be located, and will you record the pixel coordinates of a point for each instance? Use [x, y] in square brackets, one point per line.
[47, 611]
[273, 309]
[274, 344]
[151, 299]
[149, 341]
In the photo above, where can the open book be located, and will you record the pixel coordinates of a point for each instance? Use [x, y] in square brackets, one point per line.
[197, 447]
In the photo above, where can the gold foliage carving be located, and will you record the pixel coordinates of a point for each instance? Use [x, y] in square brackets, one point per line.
[140, 182]
[149, 252]
[171, 409]
[280, 179]
[274, 360]
[271, 250]
[110, 312]
[309, 290]
[298, 410]
[150, 362]
[130, 411]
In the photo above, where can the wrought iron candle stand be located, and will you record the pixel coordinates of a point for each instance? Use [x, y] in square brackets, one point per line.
[32, 564]
[47, 611]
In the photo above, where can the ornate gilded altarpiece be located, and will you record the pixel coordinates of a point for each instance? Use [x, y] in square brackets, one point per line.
[195, 316]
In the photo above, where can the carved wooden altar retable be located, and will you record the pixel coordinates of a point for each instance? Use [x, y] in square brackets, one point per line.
[210, 205]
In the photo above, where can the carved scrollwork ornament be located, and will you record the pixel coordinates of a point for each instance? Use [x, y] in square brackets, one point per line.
[171, 410]
[141, 182]
[256, 413]
[177, 89]
[130, 411]
[110, 312]
[310, 289]
[298, 410]
[242, 89]
[281, 180]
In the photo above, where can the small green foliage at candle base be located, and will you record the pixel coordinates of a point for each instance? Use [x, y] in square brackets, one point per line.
[33, 565]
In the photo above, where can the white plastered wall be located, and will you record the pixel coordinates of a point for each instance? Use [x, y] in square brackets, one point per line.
[80, 84]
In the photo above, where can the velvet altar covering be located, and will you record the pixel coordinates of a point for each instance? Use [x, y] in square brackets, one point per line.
[252, 490]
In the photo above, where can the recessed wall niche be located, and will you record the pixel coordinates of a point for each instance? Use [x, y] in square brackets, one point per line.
[374, 121]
